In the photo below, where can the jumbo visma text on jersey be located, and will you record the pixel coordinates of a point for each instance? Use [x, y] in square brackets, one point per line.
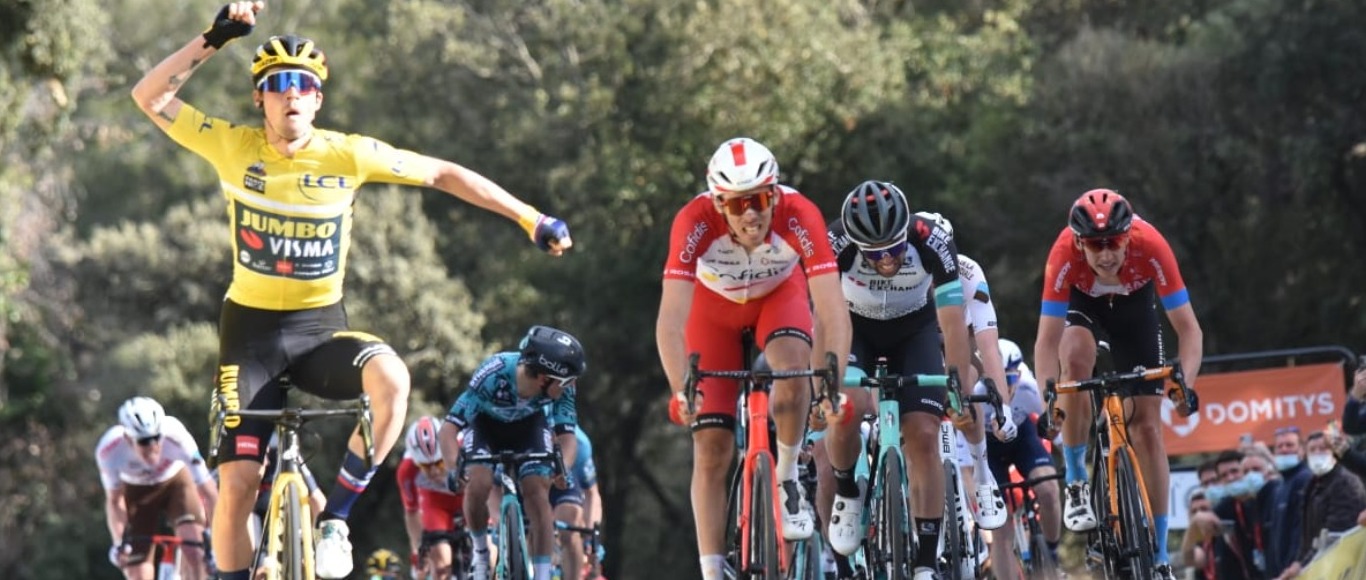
[290, 217]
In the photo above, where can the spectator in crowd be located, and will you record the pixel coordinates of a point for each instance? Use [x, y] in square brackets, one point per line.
[1287, 515]
[1236, 525]
[1330, 501]
[1249, 506]
[1197, 549]
[1354, 413]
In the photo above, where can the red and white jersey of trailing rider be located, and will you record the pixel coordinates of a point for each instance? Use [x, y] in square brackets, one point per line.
[701, 248]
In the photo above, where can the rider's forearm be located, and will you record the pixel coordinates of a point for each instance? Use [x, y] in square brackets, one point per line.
[669, 339]
[157, 89]
[835, 331]
[1191, 347]
[412, 522]
[569, 449]
[116, 515]
[1046, 364]
[208, 494]
[481, 191]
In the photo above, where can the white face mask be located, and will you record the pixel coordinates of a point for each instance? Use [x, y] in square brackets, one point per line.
[1286, 461]
[1321, 463]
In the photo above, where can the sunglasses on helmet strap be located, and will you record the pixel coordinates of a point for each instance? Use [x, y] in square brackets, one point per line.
[1104, 243]
[282, 80]
[895, 250]
[737, 206]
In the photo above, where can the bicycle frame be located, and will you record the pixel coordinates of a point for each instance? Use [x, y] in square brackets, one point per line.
[756, 385]
[511, 514]
[1113, 437]
[1025, 518]
[590, 537]
[289, 493]
[889, 430]
[169, 560]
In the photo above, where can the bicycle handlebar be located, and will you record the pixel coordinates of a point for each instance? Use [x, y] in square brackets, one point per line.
[694, 375]
[1186, 400]
[294, 418]
[1032, 482]
[950, 380]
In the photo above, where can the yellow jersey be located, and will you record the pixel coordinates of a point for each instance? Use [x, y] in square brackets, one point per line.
[290, 217]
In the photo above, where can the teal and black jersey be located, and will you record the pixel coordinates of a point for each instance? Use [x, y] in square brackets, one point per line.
[492, 392]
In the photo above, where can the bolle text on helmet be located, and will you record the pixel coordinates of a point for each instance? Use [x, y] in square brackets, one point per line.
[553, 367]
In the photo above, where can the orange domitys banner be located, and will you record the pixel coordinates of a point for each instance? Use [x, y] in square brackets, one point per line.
[1256, 402]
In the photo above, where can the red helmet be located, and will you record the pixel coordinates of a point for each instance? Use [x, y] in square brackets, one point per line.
[1100, 213]
[422, 440]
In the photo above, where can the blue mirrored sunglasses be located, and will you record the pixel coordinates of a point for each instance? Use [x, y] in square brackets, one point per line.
[281, 81]
[874, 255]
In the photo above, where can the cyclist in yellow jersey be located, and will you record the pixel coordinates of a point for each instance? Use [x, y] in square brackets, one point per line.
[289, 189]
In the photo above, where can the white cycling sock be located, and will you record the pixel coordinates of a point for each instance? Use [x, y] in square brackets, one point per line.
[713, 567]
[787, 461]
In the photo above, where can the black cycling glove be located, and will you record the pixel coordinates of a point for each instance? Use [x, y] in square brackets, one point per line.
[224, 29]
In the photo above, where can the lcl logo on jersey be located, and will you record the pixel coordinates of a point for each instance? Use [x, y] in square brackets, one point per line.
[308, 180]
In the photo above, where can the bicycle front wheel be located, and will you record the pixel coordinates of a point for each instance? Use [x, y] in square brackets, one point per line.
[805, 561]
[1135, 535]
[1041, 565]
[889, 555]
[297, 555]
[951, 533]
[763, 533]
[514, 562]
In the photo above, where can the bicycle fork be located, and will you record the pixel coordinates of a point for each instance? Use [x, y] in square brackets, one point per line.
[757, 451]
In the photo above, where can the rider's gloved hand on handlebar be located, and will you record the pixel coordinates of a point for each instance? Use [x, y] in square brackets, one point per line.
[1005, 430]
[116, 554]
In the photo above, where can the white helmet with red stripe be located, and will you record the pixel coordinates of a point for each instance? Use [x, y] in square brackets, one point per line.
[741, 164]
[422, 442]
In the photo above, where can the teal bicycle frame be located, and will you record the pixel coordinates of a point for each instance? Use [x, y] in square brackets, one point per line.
[888, 521]
[514, 555]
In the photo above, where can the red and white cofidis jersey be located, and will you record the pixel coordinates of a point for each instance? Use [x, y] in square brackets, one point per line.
[1148, 259]
[701, 248]
[120, 463]
[411, 479]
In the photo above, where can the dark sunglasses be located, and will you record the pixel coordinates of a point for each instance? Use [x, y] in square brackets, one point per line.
[737, 206]
[145, 441]
[1286, 430]
[894, 250]
[281, 81]
[1105, 243]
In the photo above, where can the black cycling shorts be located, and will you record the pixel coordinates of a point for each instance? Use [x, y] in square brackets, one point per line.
[1129, 324]
[488, 436]
[911, 345]
[258, 349]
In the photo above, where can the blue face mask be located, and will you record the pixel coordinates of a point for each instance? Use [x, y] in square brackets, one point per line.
[1216, 493]
[1250, 484]
[1286, 461]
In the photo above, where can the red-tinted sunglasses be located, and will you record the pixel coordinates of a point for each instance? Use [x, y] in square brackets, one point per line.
[737, 206]
[1105, 243]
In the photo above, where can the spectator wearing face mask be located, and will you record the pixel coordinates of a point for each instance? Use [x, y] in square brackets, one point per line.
[1238, 518]
[1331, 501]
[1287, 516]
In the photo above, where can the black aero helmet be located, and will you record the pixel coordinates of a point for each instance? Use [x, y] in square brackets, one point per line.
[553, 352]
[288, 51]
[875, 213]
